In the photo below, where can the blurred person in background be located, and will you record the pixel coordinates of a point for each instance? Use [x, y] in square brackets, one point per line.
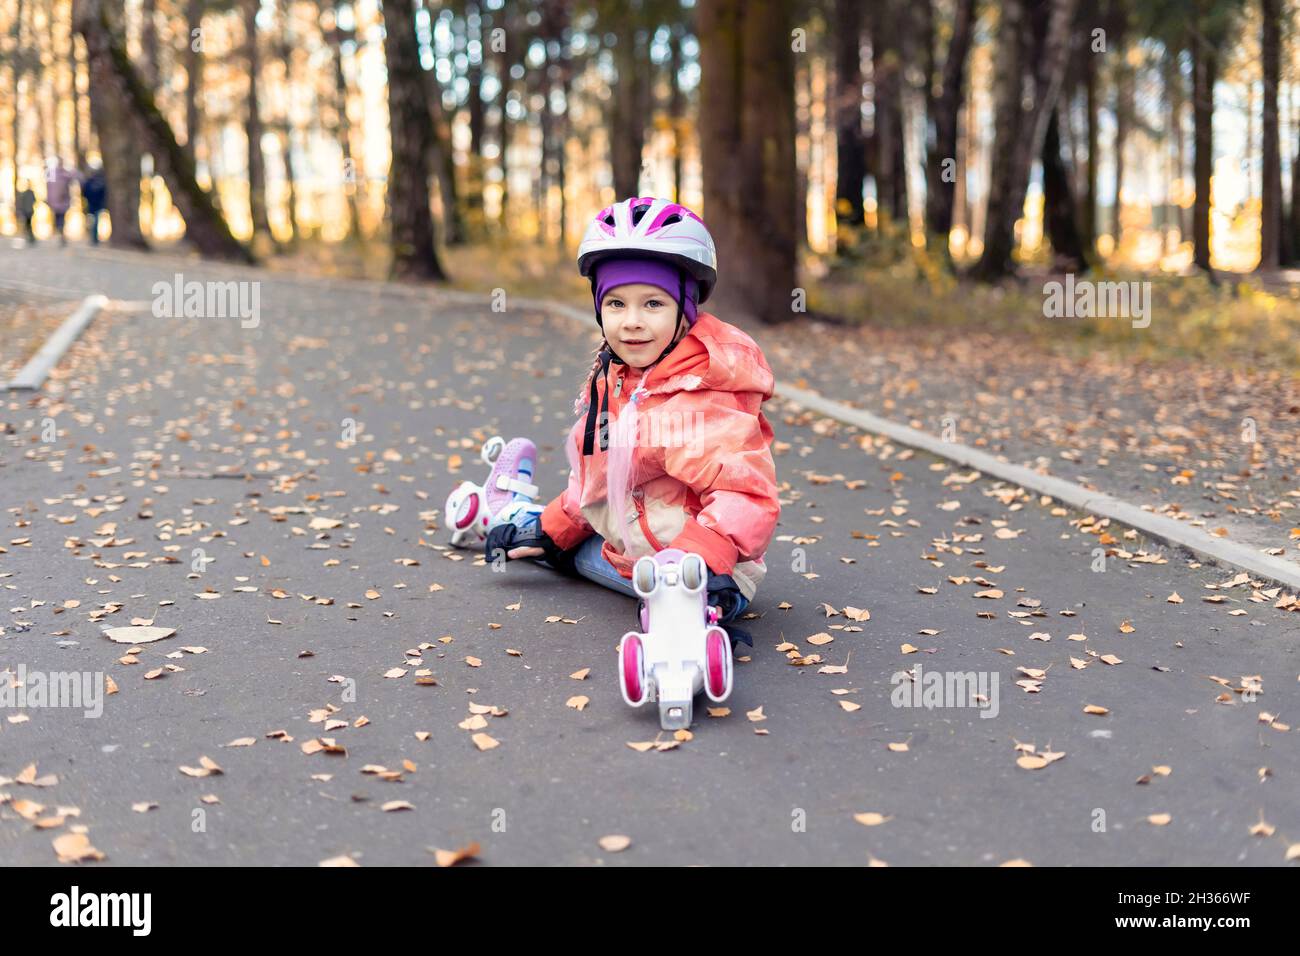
[94, 197]
[58, 194]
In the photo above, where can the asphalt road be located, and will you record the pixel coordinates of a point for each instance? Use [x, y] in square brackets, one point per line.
[152, 415]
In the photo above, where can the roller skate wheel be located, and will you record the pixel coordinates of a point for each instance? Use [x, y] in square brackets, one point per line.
[643, 575]
[463, 512]
[717, 656]
[632, 669]
[692, 572]
[492, 449]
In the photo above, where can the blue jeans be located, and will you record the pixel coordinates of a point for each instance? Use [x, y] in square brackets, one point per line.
[592, 565]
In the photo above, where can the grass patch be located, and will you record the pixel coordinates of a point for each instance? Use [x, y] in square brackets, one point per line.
[1237, 324]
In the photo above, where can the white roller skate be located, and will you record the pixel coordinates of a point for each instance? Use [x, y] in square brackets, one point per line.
[474, 510]
[681, 649]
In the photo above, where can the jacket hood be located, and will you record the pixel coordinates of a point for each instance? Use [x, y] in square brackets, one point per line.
[712, 355]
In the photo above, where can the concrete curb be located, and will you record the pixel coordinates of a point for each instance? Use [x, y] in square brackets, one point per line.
[37, 369]
[1200, 543]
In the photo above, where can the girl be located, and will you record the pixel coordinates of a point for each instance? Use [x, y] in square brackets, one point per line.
[671, 449]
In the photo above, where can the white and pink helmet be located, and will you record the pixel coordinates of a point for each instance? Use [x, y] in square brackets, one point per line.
[656, 228]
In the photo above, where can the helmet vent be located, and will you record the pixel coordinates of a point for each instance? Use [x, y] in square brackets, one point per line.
[638, 213]
[672, 219]
[609, 220]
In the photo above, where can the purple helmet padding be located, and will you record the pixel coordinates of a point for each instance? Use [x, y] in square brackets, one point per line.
[613, 273]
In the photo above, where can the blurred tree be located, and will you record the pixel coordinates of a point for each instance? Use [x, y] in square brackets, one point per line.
[944, 94]
[850, 140]
[887, 161]
[1019, 131]
[1117, 41]
[284, 49]
[411, 130]
[629, 103]
[17, 65]
[1210, 24]
[677, 104]
[747, 144]
[1060, 219]
[253, 126]
[441, 157]
[193, 74]
[350, 176]
[1271, 192]
[122, 108]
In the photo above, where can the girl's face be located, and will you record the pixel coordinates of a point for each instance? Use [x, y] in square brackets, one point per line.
[639, 321]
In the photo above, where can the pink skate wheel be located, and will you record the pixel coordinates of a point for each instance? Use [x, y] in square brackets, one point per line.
[633, 685]
[467, 512]
[717, 654]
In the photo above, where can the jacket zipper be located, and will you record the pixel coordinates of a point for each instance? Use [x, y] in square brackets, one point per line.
[637, 498]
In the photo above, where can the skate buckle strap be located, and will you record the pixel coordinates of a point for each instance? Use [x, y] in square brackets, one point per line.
[506, 483]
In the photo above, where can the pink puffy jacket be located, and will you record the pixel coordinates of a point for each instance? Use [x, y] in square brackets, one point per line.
[701, 474]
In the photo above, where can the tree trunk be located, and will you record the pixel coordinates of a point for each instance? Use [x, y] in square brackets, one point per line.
[1088, 216]
[74, 67]
[123, 109]
[352, 177]
[284, 46]
[124, 211]
[149, 43]
[473, 196]
[747, 145]
[1123, 112]
[1175, 96]
[1059, 217]
[677, 110]
[1293, 221]
[193, 76]
[850, 141]
[1270, 232]
[1019, 133]
[253, 126]
[887, 80]
[1204, 73]
[941, 165]
[16, 77]
[443, 160]
[503, 138]
[627, 115]
[414, 255]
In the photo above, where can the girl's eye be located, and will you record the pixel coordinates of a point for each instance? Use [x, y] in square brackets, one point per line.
[654, 303]
[613, 303]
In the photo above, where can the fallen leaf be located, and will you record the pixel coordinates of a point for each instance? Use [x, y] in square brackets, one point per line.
[452, 857]
[871, 819]
[138, 635]
[75, 848]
